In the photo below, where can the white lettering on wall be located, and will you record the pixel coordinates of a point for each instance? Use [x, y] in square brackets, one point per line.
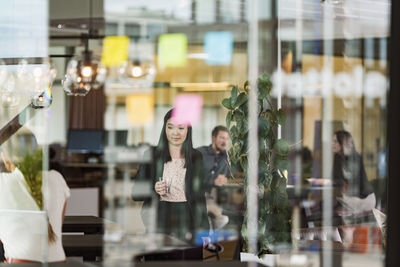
[357, 83]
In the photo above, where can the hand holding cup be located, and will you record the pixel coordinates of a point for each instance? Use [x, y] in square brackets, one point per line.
[160, 188]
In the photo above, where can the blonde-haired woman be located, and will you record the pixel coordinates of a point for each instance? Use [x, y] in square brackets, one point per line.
[32, 207]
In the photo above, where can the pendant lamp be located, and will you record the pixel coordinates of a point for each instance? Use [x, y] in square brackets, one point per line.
[84, 72]
[139, 70]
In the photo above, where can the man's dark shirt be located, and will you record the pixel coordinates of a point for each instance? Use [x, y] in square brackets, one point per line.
[214, 164]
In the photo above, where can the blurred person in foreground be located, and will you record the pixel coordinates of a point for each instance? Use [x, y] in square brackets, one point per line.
[31, 201]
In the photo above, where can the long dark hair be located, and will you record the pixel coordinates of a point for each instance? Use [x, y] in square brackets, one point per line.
[163, 148]
[344, 137]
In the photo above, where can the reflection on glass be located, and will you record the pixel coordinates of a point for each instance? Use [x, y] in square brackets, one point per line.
[328, 67]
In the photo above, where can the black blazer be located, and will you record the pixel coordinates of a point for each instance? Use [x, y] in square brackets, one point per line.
[356, 184]
[194, 185]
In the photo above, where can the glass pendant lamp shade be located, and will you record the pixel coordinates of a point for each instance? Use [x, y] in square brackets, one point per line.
[26, 80]
[138, 73]
[8, 94]
[43, 100]
[43, 78]
[84, 73]
[139, 70]
[3, 72]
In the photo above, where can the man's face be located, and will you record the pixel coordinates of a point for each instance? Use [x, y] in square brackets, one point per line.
[221, 140]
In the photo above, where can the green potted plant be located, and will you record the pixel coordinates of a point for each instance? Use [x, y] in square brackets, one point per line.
[31, 167]
[274, 212]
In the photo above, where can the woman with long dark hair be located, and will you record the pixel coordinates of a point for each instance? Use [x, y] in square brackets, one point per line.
[356, 193]
[175, 175]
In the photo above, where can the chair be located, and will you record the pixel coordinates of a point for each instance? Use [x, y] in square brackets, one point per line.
[215, 225]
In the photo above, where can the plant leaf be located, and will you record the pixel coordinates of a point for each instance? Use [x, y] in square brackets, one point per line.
[264, 86]
[261, 145]
[241, 99]
[281, 147]
[246, 86]
[281, 163]
[228, 119]
[227, 103]
[263, 126]
[239, 125]
[244, 163]
[263, 172]
[232, 156]
[238, 115]
[245, 126]
[234, 96]
[281, 116]
[233, 132]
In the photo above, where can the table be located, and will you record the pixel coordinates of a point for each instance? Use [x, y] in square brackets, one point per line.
[144, 264]
[87, 246]
[90, 244]
[85, 224]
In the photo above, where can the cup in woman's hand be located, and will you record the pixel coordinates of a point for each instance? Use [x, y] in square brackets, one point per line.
[161, 188]
[168, 182]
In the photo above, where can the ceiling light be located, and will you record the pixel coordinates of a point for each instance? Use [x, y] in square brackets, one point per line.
[44, 77]
[138, 73]
[3, 72]
[8, 94]
[84, 73]
[9, 99]
[27, 79]
[139, 70]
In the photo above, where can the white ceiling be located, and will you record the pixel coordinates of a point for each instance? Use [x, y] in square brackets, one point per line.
[333, 19]
[299, 19]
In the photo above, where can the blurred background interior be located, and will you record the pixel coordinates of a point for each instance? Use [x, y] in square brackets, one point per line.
[328, 62]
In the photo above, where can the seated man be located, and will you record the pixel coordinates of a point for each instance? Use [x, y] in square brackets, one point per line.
[216, 170]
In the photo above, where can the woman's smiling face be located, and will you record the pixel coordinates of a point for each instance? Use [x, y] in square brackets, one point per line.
[176, 133]
[336, 147]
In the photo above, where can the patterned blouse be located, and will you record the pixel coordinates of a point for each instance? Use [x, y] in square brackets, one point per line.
[174, 175]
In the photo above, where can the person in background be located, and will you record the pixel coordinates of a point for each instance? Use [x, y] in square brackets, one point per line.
[355, 192]
[216, 170]
[176, 178]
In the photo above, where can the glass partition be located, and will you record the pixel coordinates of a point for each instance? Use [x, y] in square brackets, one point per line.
[337, 123]
[246, 130]
[300, 169]
[30, 209]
